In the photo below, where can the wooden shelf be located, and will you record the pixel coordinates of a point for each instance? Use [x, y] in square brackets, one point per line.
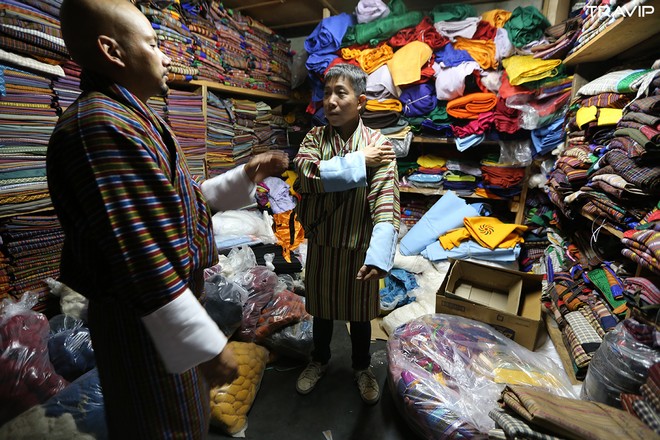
[624, 33]
[443, 141]
[233, 90]
[605, 226]
[441, 192]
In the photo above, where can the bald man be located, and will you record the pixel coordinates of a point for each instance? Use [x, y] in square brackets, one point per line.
[138, 230]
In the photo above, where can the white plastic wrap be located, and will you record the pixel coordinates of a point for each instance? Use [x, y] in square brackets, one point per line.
[447, 373]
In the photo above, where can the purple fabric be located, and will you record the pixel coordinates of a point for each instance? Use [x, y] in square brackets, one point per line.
[418, 100]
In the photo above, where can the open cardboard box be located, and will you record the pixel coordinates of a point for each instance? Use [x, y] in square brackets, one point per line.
[525, 326]
[487, 286]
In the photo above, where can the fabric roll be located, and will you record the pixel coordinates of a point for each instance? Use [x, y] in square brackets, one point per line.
[447, 213]
[470, 106]
[406, 64]
[367, 11]
[327, 36]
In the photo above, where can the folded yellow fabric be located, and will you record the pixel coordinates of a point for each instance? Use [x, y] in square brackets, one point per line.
[490, 232]
[375, 105]
[496, 17]
[431, 161]
[483, 51]
[453, 238]
[369, 59]
[407, 62]
[609, 116]
[584, 115]
[472, 105]
[525, 68]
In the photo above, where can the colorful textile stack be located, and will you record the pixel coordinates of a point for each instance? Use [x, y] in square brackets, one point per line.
[67, 88]
[642, 244]
[538, 217]
[186, 117]
[586, 304]
[439, 73]
[30, 253]
[606, 171]
[219, 135]
[245, 112]
[174, 40]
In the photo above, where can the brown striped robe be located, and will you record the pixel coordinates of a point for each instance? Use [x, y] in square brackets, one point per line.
[338, 225]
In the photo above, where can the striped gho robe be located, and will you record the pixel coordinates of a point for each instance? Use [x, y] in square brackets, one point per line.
[339, 225]
[137, 233]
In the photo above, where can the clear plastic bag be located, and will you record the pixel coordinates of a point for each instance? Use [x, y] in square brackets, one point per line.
[283, 309]
[70, 347]
[516, 152]
[448, 372]
[27, 377]
[260, 284]
[295, 341]
[621, 363]
[75, 413]
[223, 301]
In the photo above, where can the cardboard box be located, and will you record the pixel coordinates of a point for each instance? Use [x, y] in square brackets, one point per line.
[525, 327]
[487, 286]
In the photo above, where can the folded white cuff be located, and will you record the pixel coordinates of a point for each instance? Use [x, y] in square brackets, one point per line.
[230, 190]
[184, 334]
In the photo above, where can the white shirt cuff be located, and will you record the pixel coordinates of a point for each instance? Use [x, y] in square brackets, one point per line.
[344, 173]
[231, 190]
[184, 334]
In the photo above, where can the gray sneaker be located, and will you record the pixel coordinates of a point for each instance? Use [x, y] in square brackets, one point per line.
[368, 386]
[309, 376]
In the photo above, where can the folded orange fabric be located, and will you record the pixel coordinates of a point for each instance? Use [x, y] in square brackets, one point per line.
[369, 59]
[470, 106]
[483, 51]
[374, 105]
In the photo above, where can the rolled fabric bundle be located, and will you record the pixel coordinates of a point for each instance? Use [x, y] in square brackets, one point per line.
[470, 106]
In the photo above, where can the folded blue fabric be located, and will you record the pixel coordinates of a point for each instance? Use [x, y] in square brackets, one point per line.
[327, 36]
[447, 213]
[418, 100]
[546, 138]
[470, 249]
[466, 142]
[451, 57]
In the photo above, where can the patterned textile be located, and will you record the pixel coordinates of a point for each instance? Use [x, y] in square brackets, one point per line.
[572, 418]
[585, 334]
[515, 427]
[579, 358]
[647, 414]
[592, 320]
[651, 393]
[163, 210]
[607, 100]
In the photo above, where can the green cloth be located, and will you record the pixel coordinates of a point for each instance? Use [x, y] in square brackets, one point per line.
[452, 12]
[406, 168]
[623, 86]
[598, 278]
[526, 25]
[439, 114]
[380, 30]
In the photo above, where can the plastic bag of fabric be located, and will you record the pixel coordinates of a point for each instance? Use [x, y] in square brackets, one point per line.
[223, 301]
[295, 341]
[622, 362]
[447, 372]
[70, 347]
[27, 377]
[75, 413]
[231, 403]
[283, 309]
[260, 284]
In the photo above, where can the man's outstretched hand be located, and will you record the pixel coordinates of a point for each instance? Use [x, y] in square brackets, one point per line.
[270, 163]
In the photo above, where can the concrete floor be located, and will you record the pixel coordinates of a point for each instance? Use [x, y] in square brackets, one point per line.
[280, 413]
